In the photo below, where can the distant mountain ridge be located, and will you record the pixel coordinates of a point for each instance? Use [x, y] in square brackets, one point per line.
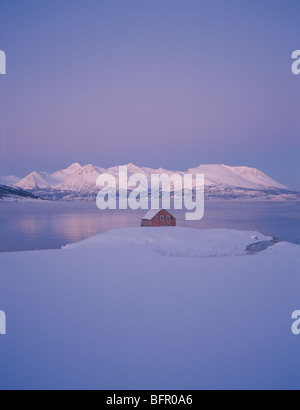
[10, 194]
[221, 182]
[10, 180]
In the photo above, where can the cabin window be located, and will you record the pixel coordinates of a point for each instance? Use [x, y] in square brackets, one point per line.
[168, 219]
[157, 218]
[162, 218]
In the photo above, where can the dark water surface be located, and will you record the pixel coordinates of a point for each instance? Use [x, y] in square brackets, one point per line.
[50, 225]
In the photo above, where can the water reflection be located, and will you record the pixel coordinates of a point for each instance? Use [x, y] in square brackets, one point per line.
[33, 226]
[46, 225]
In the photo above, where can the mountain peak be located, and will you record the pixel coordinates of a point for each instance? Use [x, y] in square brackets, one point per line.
[89, 168]
[75, 167]
[132, 167]
[33, 181]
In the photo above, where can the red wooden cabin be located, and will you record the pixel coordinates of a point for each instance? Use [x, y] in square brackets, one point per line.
[158, 218]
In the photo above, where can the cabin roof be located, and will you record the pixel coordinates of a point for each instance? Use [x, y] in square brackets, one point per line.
[152, 213]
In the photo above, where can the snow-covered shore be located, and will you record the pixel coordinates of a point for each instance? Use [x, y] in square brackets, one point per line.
[123, 311]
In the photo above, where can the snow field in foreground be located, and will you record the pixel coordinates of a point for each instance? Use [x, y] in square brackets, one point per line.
[108, 314]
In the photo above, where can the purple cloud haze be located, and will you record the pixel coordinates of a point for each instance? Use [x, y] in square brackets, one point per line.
[170, 83]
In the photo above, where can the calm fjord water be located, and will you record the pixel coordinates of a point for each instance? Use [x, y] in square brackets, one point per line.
[50, 225]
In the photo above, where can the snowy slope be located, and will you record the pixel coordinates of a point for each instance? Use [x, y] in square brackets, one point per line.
[239, 177]
[43, 180]
[34, 181]
[84, 180]
[59, 177]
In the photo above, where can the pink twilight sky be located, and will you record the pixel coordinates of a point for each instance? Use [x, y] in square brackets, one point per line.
[161, 83]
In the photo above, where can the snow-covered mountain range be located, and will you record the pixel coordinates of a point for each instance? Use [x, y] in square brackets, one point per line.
[221, 182]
